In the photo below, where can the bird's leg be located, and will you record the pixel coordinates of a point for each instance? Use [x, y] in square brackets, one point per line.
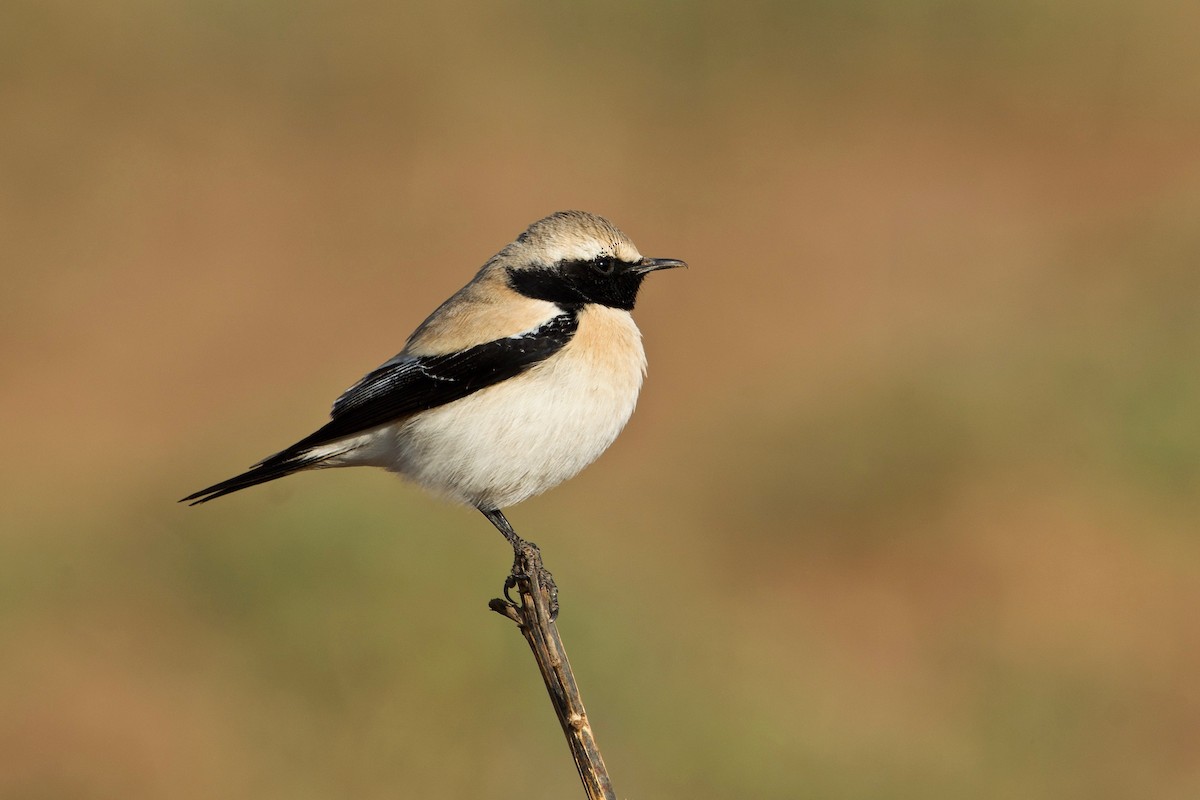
[527, 560]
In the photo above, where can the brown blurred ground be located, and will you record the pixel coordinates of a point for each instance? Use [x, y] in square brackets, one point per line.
[909, 507]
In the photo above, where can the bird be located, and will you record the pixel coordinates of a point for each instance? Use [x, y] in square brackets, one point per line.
[518, 381]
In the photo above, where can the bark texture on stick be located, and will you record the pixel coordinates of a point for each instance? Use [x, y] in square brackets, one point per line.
[531, 611]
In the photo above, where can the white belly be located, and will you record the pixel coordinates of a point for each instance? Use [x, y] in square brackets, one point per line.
[523, 436]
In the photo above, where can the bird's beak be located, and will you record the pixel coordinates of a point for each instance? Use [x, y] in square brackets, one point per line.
[652, 264]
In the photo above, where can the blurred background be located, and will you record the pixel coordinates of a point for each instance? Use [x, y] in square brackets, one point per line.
[909, 506]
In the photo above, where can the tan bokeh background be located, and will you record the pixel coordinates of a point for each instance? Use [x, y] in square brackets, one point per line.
[909, 507]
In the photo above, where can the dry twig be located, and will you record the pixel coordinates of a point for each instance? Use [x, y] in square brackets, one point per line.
[531, 611]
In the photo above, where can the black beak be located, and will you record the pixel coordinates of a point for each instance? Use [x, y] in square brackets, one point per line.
[652, 264]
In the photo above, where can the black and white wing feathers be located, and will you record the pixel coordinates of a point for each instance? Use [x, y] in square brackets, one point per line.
[407, 384]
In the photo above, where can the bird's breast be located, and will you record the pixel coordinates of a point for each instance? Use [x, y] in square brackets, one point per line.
[607, 346]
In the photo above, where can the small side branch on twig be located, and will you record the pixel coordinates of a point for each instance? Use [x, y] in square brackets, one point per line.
[531, 610]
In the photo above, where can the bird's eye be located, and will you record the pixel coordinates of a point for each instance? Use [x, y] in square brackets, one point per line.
[604, 265]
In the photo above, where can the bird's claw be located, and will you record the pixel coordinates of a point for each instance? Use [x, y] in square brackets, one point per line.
[527, 564]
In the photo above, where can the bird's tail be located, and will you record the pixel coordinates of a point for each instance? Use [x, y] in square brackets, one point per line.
[271, 469]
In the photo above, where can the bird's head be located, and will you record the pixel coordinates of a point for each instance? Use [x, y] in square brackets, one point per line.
[574, 258]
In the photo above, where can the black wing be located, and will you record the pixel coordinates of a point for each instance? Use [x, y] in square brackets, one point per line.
[408, 384]
[405, 385]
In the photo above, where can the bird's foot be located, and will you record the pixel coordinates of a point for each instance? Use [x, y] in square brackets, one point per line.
[527, 564]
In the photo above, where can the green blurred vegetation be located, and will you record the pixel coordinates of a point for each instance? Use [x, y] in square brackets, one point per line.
[908, 508]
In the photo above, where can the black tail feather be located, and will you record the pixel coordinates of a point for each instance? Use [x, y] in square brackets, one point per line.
[271, 469]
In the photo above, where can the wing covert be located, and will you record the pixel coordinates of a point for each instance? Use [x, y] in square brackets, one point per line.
[407, 384]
